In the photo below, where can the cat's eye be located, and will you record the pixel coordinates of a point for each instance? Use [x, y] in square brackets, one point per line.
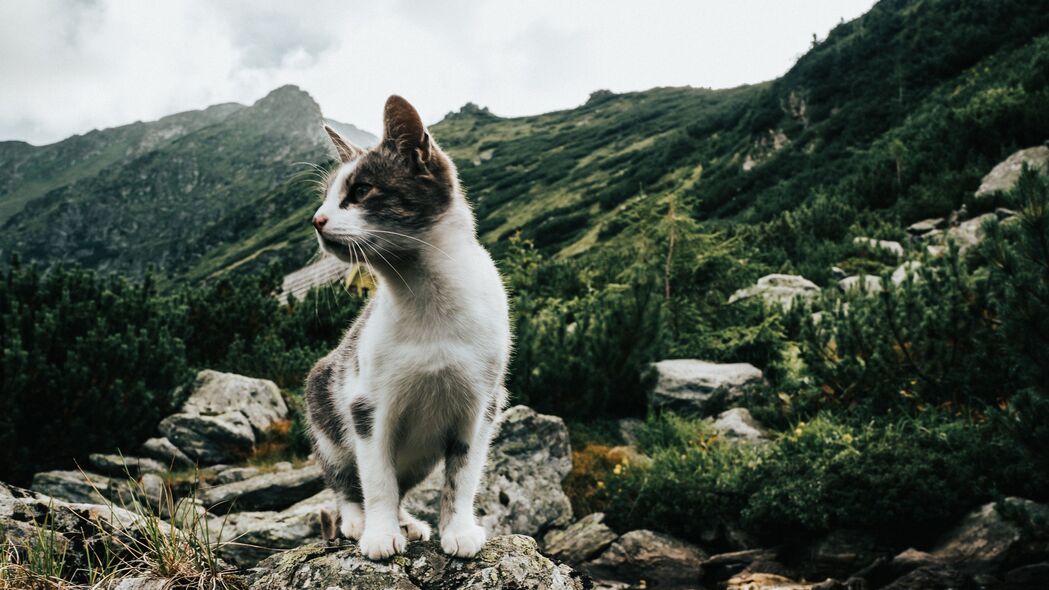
[359, 191]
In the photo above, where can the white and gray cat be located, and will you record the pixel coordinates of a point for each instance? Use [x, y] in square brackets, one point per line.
[419, 375]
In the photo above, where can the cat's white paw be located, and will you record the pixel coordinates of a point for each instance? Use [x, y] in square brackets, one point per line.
[382, 544]
[351, 522]
[464, 540]
[413, 528]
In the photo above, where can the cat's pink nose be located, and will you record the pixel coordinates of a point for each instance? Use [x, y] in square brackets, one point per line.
[319, 221]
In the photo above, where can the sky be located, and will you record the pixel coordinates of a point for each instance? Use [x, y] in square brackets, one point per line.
[70, 66]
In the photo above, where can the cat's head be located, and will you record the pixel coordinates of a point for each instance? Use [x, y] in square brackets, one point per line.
[383, 202]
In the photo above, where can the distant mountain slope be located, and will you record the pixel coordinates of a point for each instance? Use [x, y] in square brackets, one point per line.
[150, 194]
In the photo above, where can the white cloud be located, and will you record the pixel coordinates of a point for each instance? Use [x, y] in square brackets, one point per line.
[71, 66]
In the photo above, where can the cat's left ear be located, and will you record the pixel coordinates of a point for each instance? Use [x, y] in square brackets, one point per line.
[346, 150]
[404, 128]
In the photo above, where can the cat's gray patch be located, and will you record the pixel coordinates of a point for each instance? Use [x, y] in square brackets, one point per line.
[363, 413]
[320, 385]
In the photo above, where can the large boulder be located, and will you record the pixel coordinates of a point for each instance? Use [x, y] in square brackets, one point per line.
[1002, 178]
[687, 385]
[779, 290]
[994, 537]
[504, 562]
[639, 557]
[970, 233]
[210, 439]
[259, 400]
[267, 491]
[521, 490]
[582, 540]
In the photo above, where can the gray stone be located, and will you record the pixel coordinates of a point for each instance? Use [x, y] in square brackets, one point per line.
[259, 400]
[521, 490]
[867, 284]
[582, 540]
[1003, 177]
[894, 248]
[779, 290]
[838, 273]
[167, 453]
[268, 491]
[79, 487]
[986, 541]
[120, 466]
[505, 562]
[738, 424]
[968, 234]
[210, 439]
[153, 490]
[245, 538]
[687, 385]
[629, 429]
[142, 583]
[1002, 213]
[649, 556]
[933, 577]
[920, 228]
[235, 474]
[907, 269]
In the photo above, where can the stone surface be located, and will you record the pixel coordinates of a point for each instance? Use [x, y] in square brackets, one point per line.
[970, 233]
[687, 385]
[521, 490]
[167, 453]
[629, 429]
[249, 537]
[121, 466]
[725, 565]
[1003, 177]
[738, 424]
[79, 487]
[920, 228]
[504, 562]
[582, 540]
[235, 474]
[639, 557]
[894, 248]
[259, 400]
[779, 289]
[868, 284]
[907, 269]
[842, 553]
[986, 540]
[210, 439]
[933, 577]
[762, 581]
[268, 491]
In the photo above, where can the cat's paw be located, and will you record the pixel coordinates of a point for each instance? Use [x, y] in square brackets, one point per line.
[463, 541]
[413, 528]
[381, 545]
[351, 523]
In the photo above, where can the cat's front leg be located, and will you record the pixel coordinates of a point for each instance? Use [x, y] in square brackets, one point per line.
[464, 461]
[382, 536]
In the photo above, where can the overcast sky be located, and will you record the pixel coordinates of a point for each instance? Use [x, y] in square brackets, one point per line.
[70, 66]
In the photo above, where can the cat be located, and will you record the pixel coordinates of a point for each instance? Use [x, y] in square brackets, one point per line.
[418, 377]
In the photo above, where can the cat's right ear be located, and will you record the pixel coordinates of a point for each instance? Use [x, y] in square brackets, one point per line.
[347, 151]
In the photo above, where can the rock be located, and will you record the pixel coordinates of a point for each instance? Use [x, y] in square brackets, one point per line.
[235, 474]
[758, 581]
[686, 385]
[120, 466]
[628, 429]
[987, 541]
[504, 562]
[738, 424]
[642, 556]
[920, 228]
[894, 248]
[866, 284]
[723, 566]
[210, 439]
[269, 491]
[907, 269]
[164, 451]
[910, 560]
[779, 289]
[153, 491]
[142, 583]
[249, 537]
[1003, 177]
[259, 400]
[521, 490]
[80, 487]
[933, 577]
[1002, 213]
[838, 273]
[968, 234]
[582, 540]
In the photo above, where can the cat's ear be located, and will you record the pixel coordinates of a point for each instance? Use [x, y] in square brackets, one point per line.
[403, 127]
[347, 151]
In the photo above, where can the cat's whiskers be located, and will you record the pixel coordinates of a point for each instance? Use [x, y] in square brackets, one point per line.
[394, 268]
[424, 242]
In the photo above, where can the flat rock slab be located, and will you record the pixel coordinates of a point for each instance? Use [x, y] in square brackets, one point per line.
[507, 562]
[210, 439]
[268, 491]
[687, 385]
[120, 466]
[647, 555]
[80, 487]
[582, 540]
[166, 452]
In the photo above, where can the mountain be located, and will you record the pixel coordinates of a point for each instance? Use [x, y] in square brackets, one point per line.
[892, 118]
[156, 194]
